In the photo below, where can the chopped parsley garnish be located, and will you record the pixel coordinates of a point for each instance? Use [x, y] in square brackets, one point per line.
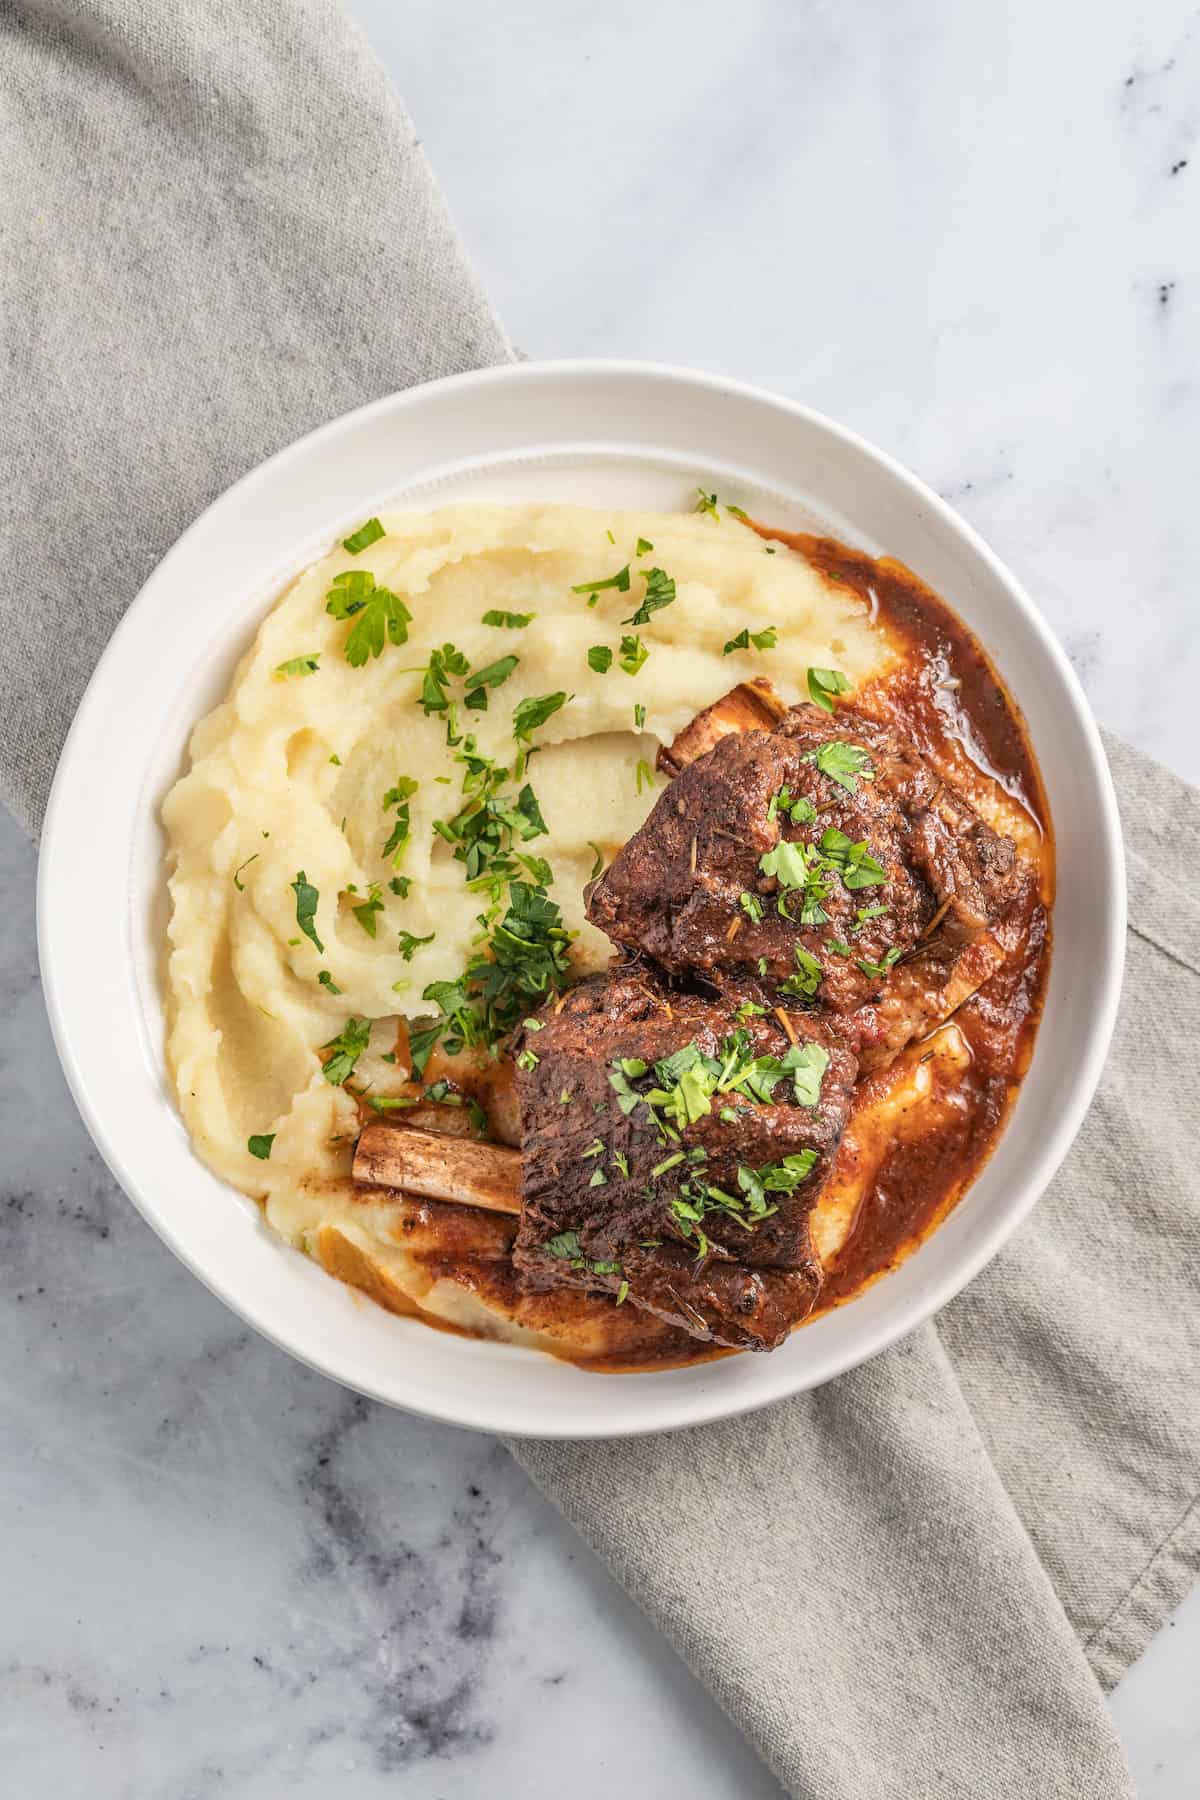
[443, 664]
[365, 910]
[620, 581]
[600, 658]
[707, 503]
[751, 905]
[381, 615]
[240, 885]
[643, 775]
[801, 810]
[399, 797]
[347, 1047]
[522, 962]
[633, 653]
[622, 1293]
[766, 639]
[799, 866]
[842, 762]
[660, 592]
[328, 983]
[738, 513]
[300, 665]
[682, 1086]
[639, 713]
[409, 943]
[507, 621]
[644, 546]
[804, 983]
[597, 861]
[528, 1060]
[839, 947]
[307, 901]
[865, 914]
[490, 822]
[393, 1102]
[854, 862]
[879, 969]
[399, 885]
[530, 714]
[370, 533]
[822, 683]
[491, 677]
[565, 1245]
[336, 760]
[261, 1146]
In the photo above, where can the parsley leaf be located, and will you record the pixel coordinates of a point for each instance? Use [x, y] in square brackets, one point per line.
[408, 943]
[643, 775]
[399, 796]
[879, 969]
[491, 677]
[597, 861]
[842, 762]
[822, 683]
[600, 658]
[620, 581]
[660, 592]
[865, 914]
[639, 717]
[370, 533]
[300, 665]
[633, 653]
[644, 546]
[707, 503]
[766, 639]
[533, 712]
[381, 615]
[307, 901]
[347, 1047]
[442, 664]
[751, 905]
[801, 810]
[854, 862]
[507, 621]
[366, 910]
[328, 983]
[804, 983]
[240, 885]
[807, 1064]
[261, 1146]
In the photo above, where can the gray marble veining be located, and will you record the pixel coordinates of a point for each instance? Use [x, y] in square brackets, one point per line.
[967, 231]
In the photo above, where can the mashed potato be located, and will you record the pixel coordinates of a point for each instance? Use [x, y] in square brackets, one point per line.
[290, 777]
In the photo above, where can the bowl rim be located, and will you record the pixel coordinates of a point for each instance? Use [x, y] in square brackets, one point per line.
[1046, 1155]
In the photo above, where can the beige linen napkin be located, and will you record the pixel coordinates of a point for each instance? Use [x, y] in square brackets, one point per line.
[216, 231]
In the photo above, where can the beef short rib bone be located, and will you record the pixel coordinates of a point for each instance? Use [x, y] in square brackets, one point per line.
[824, 859]
[672, 1150]
[438, 1166]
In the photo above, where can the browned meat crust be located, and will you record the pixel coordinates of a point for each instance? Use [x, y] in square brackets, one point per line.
[904, 875]
[598, 1205]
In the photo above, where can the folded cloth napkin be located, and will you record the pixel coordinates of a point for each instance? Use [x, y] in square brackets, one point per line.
[216, 231]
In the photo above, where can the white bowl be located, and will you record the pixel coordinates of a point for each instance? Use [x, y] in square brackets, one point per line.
[621, 434]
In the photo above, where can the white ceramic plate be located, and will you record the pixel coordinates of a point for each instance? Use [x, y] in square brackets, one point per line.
[610, 434]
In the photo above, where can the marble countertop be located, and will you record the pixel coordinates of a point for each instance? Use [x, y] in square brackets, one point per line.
[968, 232]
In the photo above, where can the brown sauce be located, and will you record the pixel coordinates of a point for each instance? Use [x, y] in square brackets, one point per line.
[944, 694]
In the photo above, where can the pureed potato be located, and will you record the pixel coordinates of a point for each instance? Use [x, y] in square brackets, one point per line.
[309, 884]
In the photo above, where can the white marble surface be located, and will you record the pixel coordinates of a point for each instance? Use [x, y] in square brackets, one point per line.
[968, 231]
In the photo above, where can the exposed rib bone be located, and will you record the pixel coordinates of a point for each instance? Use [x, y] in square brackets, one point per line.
[439, 1166]
[751, 706]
